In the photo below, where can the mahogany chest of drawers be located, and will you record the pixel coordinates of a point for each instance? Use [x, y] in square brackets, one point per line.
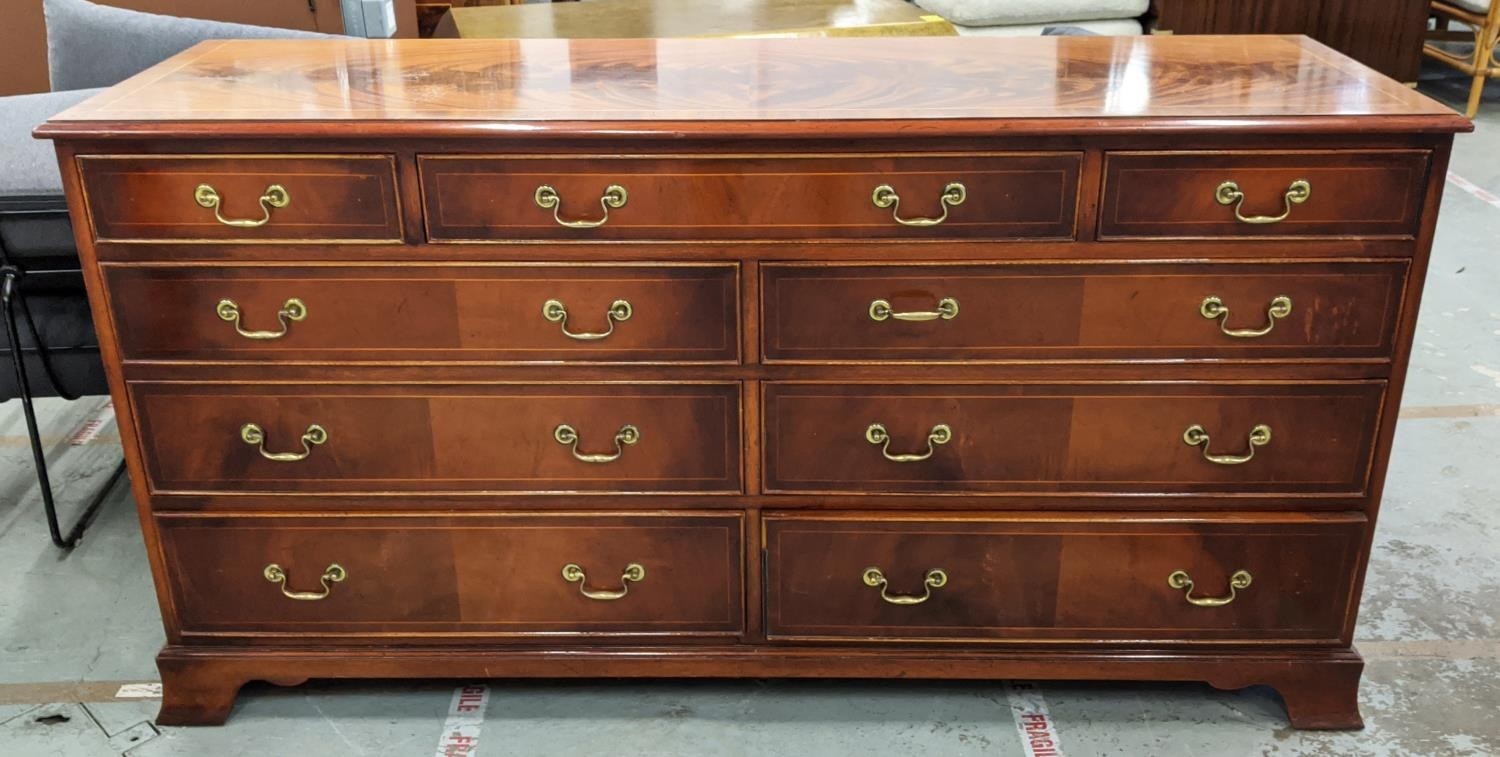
[1061, 358]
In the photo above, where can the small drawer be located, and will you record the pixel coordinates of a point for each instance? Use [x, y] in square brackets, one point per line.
[1058, 578]
[412, 577]
[816, 313]
[1105, 438]
[1375, 193]
[242, 198]
[358, 438]
[1017, 195]
[501, 313]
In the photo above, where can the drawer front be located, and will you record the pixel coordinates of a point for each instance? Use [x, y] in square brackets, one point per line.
[242, 198]
[1184, 194]
[1091, 312]
[521, 313]
[1023, 195]
[1102, 438]
[416, 438]
[483, 574]
[1060, 579]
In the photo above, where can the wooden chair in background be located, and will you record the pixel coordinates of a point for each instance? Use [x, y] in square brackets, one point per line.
[1482, 17]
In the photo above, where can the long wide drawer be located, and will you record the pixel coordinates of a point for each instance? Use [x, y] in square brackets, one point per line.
[509, 313]
[815, 313]
[518, 574]
[1113, 438]
[1059, 578]
[242, 198]
[1253, 193]
[458, 438]
[989, 195]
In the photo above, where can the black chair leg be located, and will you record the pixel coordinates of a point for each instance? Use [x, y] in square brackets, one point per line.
[9, 294]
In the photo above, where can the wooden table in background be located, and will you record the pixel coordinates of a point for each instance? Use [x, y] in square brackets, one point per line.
[694, 18]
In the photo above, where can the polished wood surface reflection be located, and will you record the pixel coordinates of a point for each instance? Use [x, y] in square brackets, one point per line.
[959, 358]
[238, 84]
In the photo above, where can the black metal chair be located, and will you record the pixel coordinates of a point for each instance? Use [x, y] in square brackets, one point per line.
[50, 347]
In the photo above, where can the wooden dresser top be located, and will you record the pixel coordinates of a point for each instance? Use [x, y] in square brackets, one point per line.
[828, 87]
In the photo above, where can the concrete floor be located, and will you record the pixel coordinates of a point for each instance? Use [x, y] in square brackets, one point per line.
[74, 629]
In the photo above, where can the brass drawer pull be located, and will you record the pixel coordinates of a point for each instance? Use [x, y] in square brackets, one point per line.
[885, 196]
[1213, 307]
[947, 309]
[568, 436]
[1229, 193]
[936, 579]
[255, 436]
[335, 573]
[275, 196]
[939, 435]
[1179, 580]
[291, 310]
[619, 311]
[574, 574]
[1196, 436]
[614, 197]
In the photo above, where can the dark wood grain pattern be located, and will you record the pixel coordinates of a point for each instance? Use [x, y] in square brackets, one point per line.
[435, 579]
[1174, 194]
[342, 198]
[462, 313]
[453, 438]
[1079, 580]
[750, 252]
[821, 313]
[1384, 36]
[750, 197]
[1075, 438]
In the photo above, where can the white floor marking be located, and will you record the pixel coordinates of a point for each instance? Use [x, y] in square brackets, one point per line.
[1033, 721]
[89, 431]
[465, 717]
[1480, 193]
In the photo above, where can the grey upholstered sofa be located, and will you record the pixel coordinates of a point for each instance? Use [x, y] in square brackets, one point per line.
[48, 346]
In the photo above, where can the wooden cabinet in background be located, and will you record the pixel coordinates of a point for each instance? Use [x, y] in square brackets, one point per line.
[1386, 36]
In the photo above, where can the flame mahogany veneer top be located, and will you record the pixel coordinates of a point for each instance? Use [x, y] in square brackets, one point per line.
[719, 86]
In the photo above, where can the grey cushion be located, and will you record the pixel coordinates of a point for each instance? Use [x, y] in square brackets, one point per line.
[1477, 6]
[30, 166]
[1013, 12]
[91, 45]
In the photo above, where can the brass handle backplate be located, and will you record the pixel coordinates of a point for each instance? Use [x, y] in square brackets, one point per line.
[1213, 307]
[619, 311]
[935, 579]
[1229, 193]
[291, 310]
[568, 436]
[885, 196]
[254, 435]
[1180, 580]
[574, 574]
[939, 435]
[947, 309]
[614, 196]
[275, 196]
[1196, 436]
[335, 573]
